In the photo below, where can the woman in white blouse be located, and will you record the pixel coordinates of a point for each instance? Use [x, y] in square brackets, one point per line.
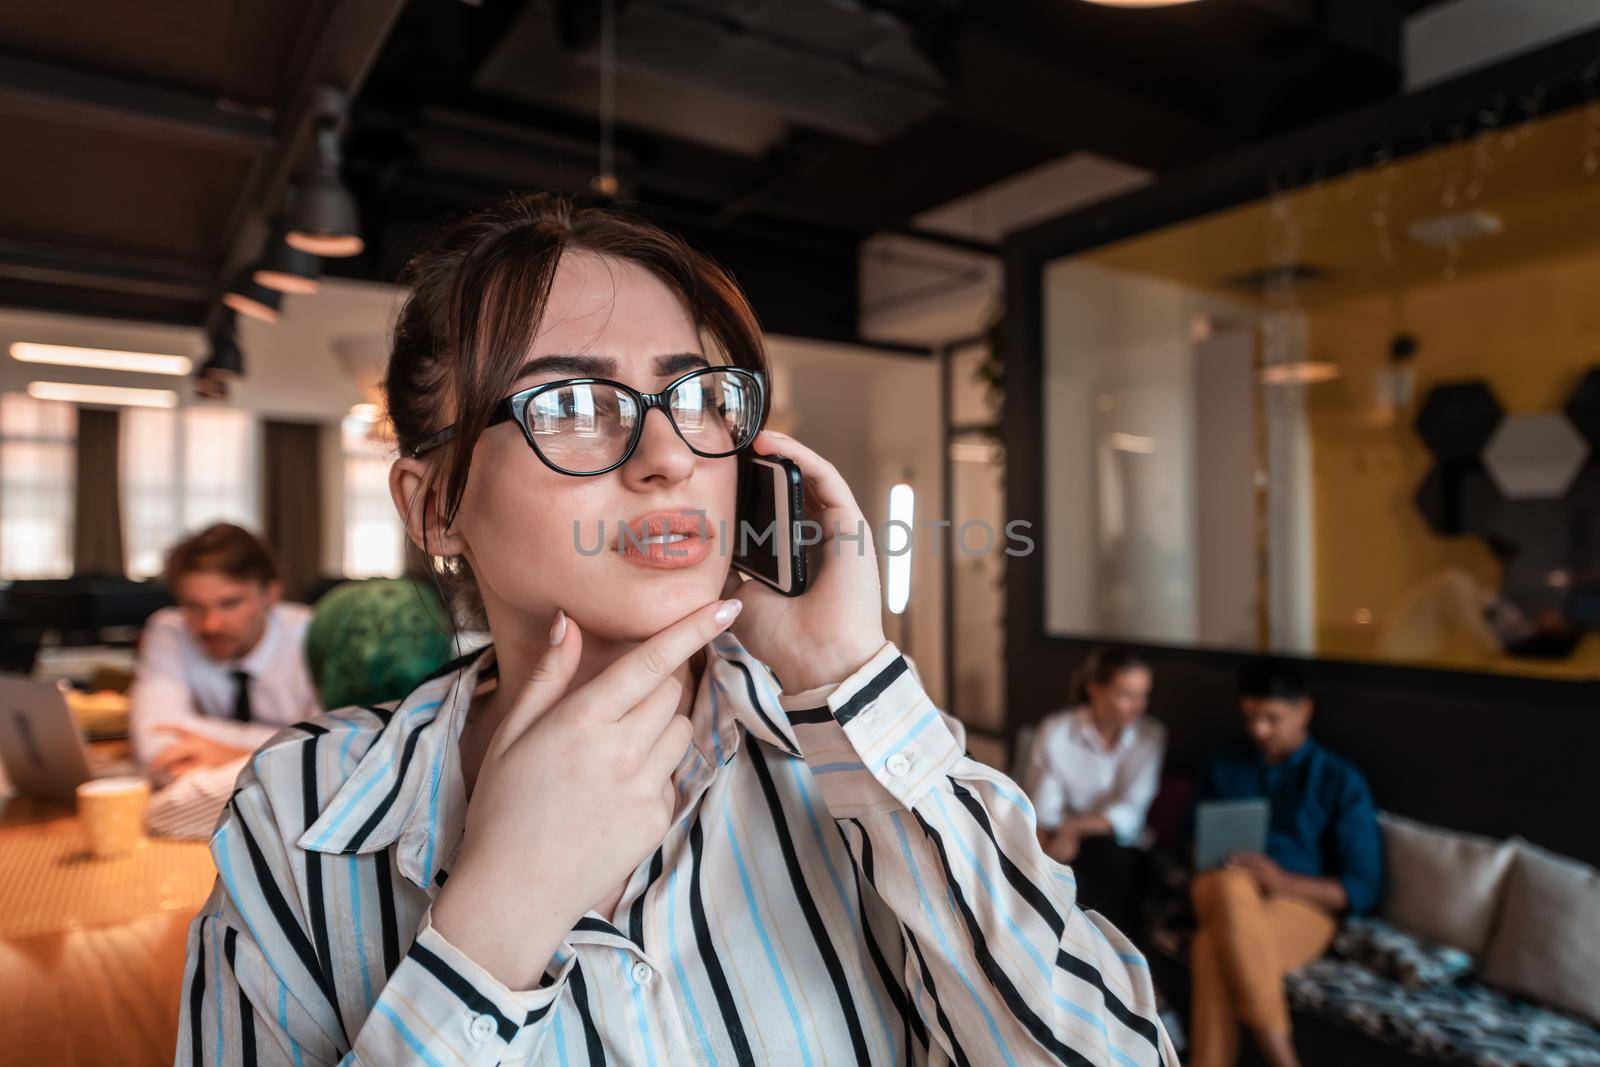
[665, 817]
[1094, 770]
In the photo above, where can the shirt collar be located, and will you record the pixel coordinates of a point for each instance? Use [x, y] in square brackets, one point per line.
[257, 662]
[1293, 759]
[1089, 734]
[407, 789]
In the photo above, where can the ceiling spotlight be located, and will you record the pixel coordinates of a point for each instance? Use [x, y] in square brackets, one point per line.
[286, 268]
[248, 297]
[226, 361]
[325, 222]
[210, 388]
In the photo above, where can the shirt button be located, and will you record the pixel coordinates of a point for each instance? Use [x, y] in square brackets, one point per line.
[642, 973]
[899, 764]
[482, 1028]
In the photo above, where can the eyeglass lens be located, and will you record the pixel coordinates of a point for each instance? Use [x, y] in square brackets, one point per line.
[586, 427]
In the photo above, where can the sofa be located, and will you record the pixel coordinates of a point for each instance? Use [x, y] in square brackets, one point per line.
[1484, 952]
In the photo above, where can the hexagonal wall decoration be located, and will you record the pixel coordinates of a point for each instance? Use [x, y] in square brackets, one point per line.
[1529, 486]
[1458, 498]
[1535, 457]
[1583, 408]
[1457, 420]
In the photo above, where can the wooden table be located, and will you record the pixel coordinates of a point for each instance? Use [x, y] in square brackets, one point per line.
[96, 994]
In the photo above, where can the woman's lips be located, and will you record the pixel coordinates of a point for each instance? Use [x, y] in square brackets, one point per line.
[667, 554]
[665, 540]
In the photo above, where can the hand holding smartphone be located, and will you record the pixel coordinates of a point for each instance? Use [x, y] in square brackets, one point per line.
[766, 542]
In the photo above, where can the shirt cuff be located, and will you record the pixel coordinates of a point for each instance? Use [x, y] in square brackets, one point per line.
[875, 741]
[438, 996]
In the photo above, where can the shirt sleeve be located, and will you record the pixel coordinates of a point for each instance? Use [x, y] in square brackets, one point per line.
[1136, 784]
[1043, 785]
[160, 697]
[1358, 845]
[1001, 963]
[254, 991]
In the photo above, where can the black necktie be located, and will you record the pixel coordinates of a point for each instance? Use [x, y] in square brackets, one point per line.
[241, 697]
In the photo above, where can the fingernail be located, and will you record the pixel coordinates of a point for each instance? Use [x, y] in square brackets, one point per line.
[727, 611]
[558, 627]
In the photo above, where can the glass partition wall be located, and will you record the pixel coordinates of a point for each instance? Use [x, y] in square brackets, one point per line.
[1354, 420]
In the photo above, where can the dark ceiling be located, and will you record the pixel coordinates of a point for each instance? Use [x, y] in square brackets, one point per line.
[147, 144]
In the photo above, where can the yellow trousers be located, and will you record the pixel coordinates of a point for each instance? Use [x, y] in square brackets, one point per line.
[1245, 945]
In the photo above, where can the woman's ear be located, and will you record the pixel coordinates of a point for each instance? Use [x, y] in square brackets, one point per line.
[411, 484]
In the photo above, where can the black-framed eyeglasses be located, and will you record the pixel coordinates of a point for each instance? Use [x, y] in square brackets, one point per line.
[589, 426]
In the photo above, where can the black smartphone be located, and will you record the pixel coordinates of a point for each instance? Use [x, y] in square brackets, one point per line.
[766, 540]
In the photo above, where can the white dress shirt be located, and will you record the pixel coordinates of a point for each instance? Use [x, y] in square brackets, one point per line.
[1073, 772]
[840, 884]
[177, 684]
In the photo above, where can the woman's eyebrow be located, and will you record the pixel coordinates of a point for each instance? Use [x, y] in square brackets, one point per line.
[589, 366]
[679, 363]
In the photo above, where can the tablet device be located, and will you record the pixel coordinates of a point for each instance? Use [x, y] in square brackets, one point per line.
[1225, 827]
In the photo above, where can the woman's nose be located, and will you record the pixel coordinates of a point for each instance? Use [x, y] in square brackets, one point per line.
[661, 457]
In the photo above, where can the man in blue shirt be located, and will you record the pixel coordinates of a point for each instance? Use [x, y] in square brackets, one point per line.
[1264, 915]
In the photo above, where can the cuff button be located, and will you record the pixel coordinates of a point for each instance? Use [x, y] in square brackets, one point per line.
[899, 764]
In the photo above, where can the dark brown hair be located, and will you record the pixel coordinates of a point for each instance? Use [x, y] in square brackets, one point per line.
[477, 294]
[220, 549]
[1103, 664]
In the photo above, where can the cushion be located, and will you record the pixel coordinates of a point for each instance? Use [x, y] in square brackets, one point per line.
[1401, 957]
[1547, 940]
[1462, 1022]
[1441, 884]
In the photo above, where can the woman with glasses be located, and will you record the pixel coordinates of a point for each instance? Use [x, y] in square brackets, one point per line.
[665, 817]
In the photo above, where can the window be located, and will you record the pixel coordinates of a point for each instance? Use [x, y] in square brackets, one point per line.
[374, 540]
[183, 470]
[38, 445]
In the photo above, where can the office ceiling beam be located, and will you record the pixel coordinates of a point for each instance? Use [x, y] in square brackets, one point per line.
[58, 93]
[45, 263]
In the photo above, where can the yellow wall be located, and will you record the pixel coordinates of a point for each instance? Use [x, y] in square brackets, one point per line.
[1529, 332]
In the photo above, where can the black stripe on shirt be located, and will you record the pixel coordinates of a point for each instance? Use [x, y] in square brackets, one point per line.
[1015, 1002]
[810, 716]
[580, 997]
[391, 928]
[755, 702]
[708, 952]
[599, 926]
[808, 906]
[355, 843]
[197, 999]
[316, 907]
[1086, 971]
[891, 982]
[1025, 887]
[956, 1052]
[247, 1015]
[1041, 904]
[869, 692]
[284, 915]
[636, 913]
[464, 990]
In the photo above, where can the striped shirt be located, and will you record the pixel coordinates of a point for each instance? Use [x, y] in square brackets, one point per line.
[841, 884]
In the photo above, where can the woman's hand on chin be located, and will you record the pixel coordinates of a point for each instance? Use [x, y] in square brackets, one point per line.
[575, 790]
[827, 633]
